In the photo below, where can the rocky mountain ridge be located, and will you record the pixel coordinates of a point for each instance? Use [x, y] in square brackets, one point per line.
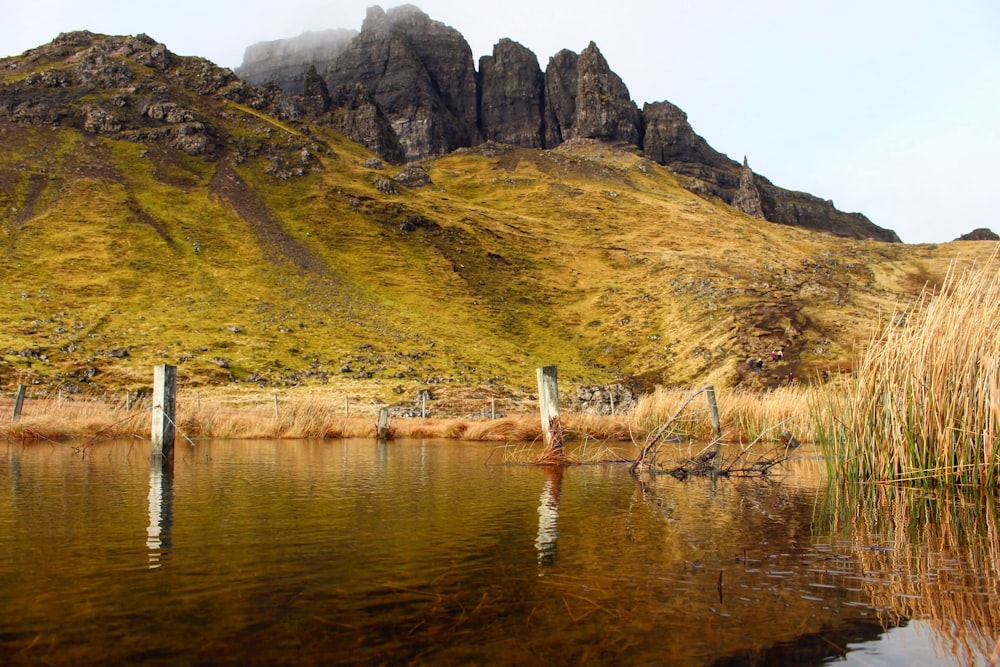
[420, 75]
[155, 208]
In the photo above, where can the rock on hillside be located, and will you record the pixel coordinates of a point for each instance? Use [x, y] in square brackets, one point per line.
[96, 89]
[981, 234]
[419, 75]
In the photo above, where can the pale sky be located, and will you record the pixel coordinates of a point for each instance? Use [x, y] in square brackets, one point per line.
[887, 107]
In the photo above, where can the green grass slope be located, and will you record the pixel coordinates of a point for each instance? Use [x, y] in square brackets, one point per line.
[282, 258]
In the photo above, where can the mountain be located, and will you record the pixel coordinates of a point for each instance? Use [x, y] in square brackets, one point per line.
[421, 74]
[158, 209]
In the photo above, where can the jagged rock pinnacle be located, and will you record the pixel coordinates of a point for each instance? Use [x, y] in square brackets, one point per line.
[747, 197]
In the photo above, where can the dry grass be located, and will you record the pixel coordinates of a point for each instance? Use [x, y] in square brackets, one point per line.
[924, 405]
[746, 416]
[297, 416]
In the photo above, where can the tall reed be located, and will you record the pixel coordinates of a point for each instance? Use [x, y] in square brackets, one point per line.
[924, 405]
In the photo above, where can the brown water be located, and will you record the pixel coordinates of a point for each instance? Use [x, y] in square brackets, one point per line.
[416, 552]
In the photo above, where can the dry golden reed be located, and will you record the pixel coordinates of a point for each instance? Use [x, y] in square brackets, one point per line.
[746, 417]
[924, 405]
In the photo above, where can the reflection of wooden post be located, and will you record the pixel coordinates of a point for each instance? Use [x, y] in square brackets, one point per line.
[547, 542]
[18, 402]
[382, 430]
[548, 406]
[164, 402]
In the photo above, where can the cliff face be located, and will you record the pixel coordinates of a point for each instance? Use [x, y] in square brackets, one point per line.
[420, 72]
[286, 61]
[512, 90]
[604, 109]
[418, 75]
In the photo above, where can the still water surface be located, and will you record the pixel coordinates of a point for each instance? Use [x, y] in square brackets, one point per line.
[355, 552]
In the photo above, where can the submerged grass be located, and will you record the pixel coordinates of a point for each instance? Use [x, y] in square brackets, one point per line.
[924, 404]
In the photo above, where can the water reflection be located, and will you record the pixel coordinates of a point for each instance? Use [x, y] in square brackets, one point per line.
[547, 541]
[331, 552]
[15, 469]
[942, 549]
[161, 512]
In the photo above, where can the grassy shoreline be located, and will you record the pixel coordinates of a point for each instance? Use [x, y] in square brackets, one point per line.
[746, 417]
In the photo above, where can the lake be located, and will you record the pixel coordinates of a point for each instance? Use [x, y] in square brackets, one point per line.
[430, 552]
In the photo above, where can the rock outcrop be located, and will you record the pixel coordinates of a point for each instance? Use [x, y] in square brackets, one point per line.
[420, 72]
[356, 114]
[559, 109]
[286, 61]
[747, 197]
[511, 96]
[980, 234]
[604, 109]
[670, 140]
[417, 75]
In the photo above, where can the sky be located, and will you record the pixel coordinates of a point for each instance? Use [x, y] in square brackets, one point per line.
[886, 107]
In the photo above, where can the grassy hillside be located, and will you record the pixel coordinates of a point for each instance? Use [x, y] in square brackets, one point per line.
[282, 259]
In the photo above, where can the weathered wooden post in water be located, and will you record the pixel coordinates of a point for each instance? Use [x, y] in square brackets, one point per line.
[548, 406]
[18, 402]
[382, 428]
[164, 402]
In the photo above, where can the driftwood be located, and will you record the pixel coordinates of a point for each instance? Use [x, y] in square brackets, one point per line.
[710, 462]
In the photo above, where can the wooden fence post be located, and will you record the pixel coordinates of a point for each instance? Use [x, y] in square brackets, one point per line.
[382, 429]
[493, 407]
[548, 406]
[18, 403]
[164, 403]
[713, 411]
[423, 405]
[347, 407]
